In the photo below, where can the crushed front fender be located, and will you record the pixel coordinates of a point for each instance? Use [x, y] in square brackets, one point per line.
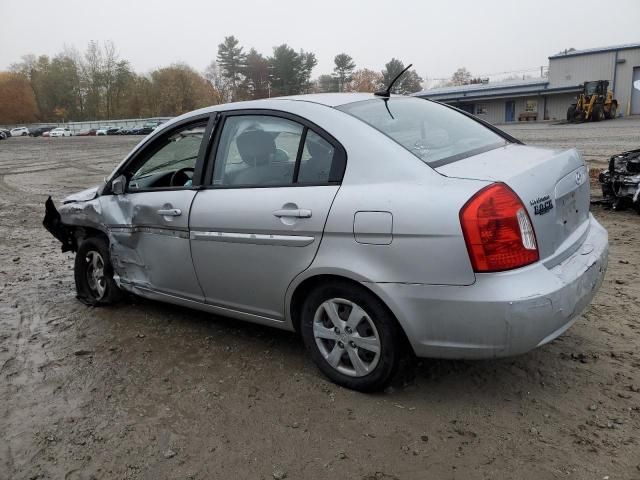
[53, 223]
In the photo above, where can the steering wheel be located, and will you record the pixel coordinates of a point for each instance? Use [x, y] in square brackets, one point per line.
[181, 177]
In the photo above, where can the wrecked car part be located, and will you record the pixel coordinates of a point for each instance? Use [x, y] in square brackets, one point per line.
[621, 181]
[53, 223]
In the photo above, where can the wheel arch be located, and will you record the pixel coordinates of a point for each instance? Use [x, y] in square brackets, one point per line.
[82, 233]
[299, 289]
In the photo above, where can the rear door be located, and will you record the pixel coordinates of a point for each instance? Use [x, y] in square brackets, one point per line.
[260, 220]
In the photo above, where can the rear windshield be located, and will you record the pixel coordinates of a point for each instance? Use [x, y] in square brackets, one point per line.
[432, 132]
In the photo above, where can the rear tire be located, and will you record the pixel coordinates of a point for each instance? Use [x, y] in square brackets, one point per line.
[93, 273]
[351, 336]
[613, 110]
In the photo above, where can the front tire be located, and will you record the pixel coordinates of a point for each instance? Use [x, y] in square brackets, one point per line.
[351, 336]
[93, 273]
[597, 115]
[613, 110]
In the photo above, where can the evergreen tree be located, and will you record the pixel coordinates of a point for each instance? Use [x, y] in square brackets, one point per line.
[343, 69]
[232, 62]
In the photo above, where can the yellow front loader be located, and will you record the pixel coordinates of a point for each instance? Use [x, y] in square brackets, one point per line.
[595, 103]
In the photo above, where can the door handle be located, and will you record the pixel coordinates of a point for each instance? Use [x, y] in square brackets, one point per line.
[170, 212]
[293, 212]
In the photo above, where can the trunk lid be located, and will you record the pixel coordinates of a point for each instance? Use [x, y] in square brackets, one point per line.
[552, 184]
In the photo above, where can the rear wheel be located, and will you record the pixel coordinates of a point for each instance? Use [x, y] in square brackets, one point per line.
[613, 110]
[94, 274]
[351, 336]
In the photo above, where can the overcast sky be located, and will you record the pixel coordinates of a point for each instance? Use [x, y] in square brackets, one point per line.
[485, 36]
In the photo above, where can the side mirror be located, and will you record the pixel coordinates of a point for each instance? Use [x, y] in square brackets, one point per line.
[119, 185]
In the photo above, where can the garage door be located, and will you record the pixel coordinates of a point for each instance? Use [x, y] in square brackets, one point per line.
[635, 92]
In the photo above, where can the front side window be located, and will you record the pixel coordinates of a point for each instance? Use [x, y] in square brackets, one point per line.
[434, 133]
[170, 161]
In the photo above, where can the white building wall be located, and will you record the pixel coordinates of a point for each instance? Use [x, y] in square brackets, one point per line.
[496, 108]
[624, 77]
[557, 105]
[495, 111]
[564, 71]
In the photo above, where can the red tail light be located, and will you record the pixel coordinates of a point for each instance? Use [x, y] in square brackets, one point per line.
[498, 230]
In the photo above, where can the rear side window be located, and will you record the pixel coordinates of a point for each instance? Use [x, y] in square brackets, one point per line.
[268, 150]
[434, 133]
[316, 161]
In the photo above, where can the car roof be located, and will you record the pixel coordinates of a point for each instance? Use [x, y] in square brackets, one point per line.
[330, 99]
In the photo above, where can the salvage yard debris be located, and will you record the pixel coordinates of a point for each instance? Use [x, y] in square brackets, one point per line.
[621, 181]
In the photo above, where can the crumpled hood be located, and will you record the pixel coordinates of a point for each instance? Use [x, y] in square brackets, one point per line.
[83, 196]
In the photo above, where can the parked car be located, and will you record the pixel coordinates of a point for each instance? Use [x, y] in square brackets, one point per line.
[40, 131]
[377, 227]
[141, 130]
[46, 134]
[153, 125]
[7, 133]
[107, 131]
[60, 132]
[86, 132]
[2, 135]
[19, 132]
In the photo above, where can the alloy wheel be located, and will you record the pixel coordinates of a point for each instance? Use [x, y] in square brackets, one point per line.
[95, 274]
[346, 337]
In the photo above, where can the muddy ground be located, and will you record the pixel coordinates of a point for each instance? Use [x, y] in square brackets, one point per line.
[150, 391]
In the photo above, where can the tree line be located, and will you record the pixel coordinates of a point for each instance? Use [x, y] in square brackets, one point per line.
[100, 85]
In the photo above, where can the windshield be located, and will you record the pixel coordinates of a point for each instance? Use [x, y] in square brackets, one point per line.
[434, 133]
[591, 88]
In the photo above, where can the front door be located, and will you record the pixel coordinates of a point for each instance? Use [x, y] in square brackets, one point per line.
[260, 221]
[635, 92]
[510, 111]
[149, 223]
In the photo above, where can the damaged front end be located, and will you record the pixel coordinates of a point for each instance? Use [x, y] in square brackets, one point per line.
[53, 223]
[621, 181]
[79, 215]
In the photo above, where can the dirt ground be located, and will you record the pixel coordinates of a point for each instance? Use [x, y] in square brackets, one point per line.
[149, 391]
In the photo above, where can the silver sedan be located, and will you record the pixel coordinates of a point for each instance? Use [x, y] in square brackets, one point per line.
[378, 227]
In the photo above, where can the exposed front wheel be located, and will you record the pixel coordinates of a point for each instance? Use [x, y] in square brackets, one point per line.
[351, 335]
[94, 274]
[597, 115]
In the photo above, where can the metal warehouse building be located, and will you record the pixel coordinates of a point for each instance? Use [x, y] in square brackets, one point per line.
[548, 98]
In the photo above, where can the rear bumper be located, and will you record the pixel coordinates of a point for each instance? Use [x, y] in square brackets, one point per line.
[501, 314]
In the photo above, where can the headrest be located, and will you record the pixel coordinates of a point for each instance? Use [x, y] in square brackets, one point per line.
[255, 144]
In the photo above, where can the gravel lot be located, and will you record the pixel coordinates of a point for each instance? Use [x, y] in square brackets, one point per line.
[149, 391]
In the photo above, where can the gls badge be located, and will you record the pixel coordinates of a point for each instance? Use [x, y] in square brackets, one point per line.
[542, 205]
